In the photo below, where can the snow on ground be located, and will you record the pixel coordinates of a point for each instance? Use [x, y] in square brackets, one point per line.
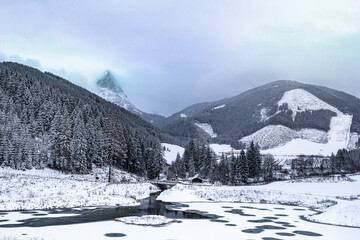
[222, 148]
[299, 100]
[279, 220]
[171, 152]
[191, 193]
[345, 213]
[207, 128]
[116, 97]
[146, 220]
[44, 189]
[218, 107]
[183, 115]
[318, 194]
[354, 140]
[277, 135]
[264, 114]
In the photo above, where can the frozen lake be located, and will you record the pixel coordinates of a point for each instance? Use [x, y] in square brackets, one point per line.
[196, 221]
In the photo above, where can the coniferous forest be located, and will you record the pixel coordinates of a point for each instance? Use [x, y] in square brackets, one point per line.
[250, 166]
[199, 160]
[46, 121]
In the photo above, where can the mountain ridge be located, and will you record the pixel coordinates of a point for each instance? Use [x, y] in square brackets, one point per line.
[234, 118]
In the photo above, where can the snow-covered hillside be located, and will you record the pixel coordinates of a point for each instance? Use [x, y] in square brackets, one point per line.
[119, 98]
[171, 152]
[299, 100]
[207, 128]
[280, 140]
[278, 135]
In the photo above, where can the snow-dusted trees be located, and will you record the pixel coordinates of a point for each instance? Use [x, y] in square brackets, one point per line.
[154, 161]
[347, 161]
[254, 159]
[48, 121]
[224, 170]
[244, 167]
[269, 166]
[197, 159]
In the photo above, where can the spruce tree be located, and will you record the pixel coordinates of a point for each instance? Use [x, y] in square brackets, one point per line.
[251, 158]
[244, 166]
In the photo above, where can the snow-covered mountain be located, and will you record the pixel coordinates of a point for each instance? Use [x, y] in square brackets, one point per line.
[283, 117]
[108, 87]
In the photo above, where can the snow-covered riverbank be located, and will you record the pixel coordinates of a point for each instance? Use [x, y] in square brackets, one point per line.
[43, 189]
[336, 198]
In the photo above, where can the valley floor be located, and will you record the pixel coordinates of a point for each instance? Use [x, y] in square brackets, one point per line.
[284, 211]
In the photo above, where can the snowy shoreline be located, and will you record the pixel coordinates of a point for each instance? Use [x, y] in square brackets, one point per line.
[48, 189]
[337, 199]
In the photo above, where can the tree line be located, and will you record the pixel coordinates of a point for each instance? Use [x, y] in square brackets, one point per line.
[199, 160]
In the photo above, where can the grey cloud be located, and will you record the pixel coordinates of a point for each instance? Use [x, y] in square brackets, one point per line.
[170, 54]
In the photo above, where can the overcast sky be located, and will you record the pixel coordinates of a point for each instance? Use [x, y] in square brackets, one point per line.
[170, 54]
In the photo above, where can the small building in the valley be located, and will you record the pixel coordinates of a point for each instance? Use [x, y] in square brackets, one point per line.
[197, 180]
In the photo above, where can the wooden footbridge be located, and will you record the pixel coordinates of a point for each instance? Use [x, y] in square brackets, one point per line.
[163, 185]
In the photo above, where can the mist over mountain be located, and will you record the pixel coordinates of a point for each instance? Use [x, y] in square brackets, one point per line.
[108, 87]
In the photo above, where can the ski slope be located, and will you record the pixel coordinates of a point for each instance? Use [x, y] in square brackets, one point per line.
[284, 141]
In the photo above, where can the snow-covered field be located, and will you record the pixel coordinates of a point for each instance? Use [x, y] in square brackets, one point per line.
[222, 148]
[246, 220]
[316, 193]
[43, 189]
[171, 152]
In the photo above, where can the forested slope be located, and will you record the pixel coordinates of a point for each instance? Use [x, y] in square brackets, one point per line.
[47, 121]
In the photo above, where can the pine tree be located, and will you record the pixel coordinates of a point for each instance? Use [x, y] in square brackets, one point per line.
[252, 161]
[209, 163]
[178, 167]
[257, 158]
[224, 170]
[232, 168]
[237, 170]
[244, 167]
[79, 146]
[191, 167]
